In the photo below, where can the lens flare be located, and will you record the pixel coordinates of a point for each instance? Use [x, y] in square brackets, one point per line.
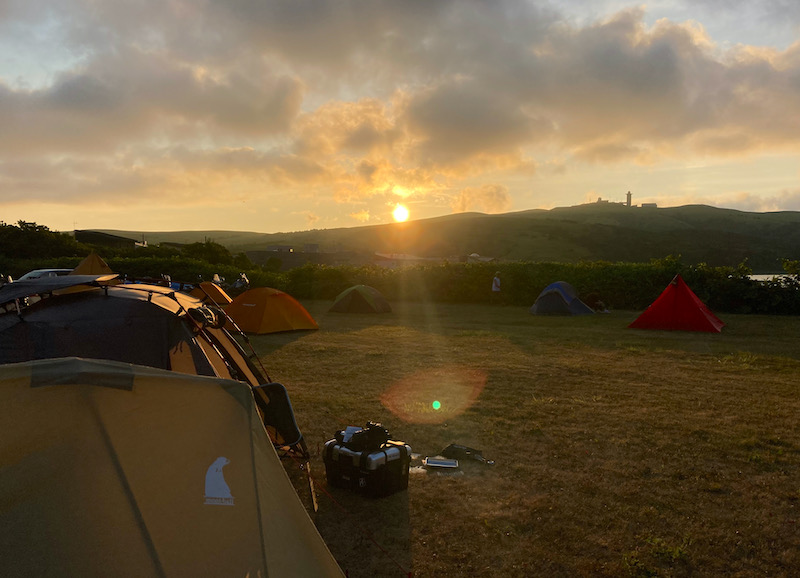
[453, 388]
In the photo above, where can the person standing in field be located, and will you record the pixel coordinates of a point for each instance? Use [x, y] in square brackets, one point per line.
[496, 288]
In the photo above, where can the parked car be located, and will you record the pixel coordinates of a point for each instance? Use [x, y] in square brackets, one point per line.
[40, 273]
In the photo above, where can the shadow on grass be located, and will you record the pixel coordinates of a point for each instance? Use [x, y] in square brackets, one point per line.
[374, 534]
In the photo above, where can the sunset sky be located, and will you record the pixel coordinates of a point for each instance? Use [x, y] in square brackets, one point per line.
[265, 115]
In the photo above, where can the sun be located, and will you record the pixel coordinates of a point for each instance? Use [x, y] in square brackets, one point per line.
[400, 213]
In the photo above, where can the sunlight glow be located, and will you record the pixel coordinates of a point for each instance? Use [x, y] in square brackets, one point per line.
[400, 213]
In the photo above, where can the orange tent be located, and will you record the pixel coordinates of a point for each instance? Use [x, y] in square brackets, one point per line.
[212, 291]
[266, 310]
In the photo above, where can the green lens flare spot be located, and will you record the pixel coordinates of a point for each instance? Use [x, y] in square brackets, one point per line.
[436, 405]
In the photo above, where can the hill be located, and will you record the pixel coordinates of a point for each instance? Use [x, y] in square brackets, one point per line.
[592, 232]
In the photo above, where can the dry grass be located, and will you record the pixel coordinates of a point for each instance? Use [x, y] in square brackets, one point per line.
[619, 452]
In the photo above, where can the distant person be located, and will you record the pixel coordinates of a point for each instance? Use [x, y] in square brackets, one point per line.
[496, 288]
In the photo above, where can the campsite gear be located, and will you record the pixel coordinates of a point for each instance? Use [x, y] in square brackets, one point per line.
[678, 309]
[361, 299]
[212, 293]
[267, 310]
[460, 452]
[371, 437]
[440, 463]
[110, 468]
[559, 298]
[374, 472]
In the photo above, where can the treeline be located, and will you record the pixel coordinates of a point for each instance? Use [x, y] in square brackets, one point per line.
[629, 286]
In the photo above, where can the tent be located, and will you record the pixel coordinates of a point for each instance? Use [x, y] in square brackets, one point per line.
[141, 324]
[93, 264]
[361, 299]
[559, 298]
[109, 468]
[266, 310]
[211, 292]
[679, 309]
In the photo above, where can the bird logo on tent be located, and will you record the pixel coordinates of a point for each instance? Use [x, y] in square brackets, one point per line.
[217, 490]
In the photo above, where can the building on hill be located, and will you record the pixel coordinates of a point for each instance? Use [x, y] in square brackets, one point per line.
[106, 239]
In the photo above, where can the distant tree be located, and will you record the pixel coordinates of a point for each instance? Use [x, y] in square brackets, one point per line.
[242, 261]
[273, 264]
[208, 251]
[32, 241]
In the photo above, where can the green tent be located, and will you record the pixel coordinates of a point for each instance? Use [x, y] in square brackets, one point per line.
[361, 299]
[114, 469]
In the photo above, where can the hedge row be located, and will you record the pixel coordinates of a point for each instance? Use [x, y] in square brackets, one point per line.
[630, 286]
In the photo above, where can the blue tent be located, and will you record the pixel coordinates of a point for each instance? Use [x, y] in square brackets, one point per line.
[559, 298]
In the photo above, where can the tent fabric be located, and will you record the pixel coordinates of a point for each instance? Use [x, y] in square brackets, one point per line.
[361, 299]
[559, 298]
[267, 310]
[143, 324]
[208, 291]
[27, 288]
[678, 309]
[93, 264]
[109, 468]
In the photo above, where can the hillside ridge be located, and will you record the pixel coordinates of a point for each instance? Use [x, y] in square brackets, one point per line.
[591, 232]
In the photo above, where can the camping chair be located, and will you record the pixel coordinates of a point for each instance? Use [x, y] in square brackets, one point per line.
[278, 415]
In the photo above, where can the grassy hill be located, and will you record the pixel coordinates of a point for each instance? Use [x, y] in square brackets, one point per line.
[589, 232]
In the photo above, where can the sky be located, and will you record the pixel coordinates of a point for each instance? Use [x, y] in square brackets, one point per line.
[269, 116]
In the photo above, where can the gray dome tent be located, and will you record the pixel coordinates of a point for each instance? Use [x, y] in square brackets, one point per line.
[361, 299]
[559, 298]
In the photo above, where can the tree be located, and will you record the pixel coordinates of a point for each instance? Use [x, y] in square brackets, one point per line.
[32, 241]
[208, 251]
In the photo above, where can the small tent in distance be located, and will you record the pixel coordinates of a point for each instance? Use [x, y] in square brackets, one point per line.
[361, 299]
[678, 309]
[93, 264]
[559, 298]
[267, 310]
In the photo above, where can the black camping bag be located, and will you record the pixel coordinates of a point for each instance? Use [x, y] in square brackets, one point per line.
[377, 472]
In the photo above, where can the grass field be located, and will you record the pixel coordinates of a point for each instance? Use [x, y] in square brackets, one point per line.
[618, 452]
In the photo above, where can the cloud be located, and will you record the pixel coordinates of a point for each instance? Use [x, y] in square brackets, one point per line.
[784, 200]
[487, 199]
[361, 216]
[370, 101]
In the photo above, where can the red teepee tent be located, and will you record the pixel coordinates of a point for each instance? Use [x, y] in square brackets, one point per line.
[679, 309]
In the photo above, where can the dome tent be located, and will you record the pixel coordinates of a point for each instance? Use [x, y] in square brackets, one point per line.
[361, 299]
[129, 401]
[559, 298]
[267, 310]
